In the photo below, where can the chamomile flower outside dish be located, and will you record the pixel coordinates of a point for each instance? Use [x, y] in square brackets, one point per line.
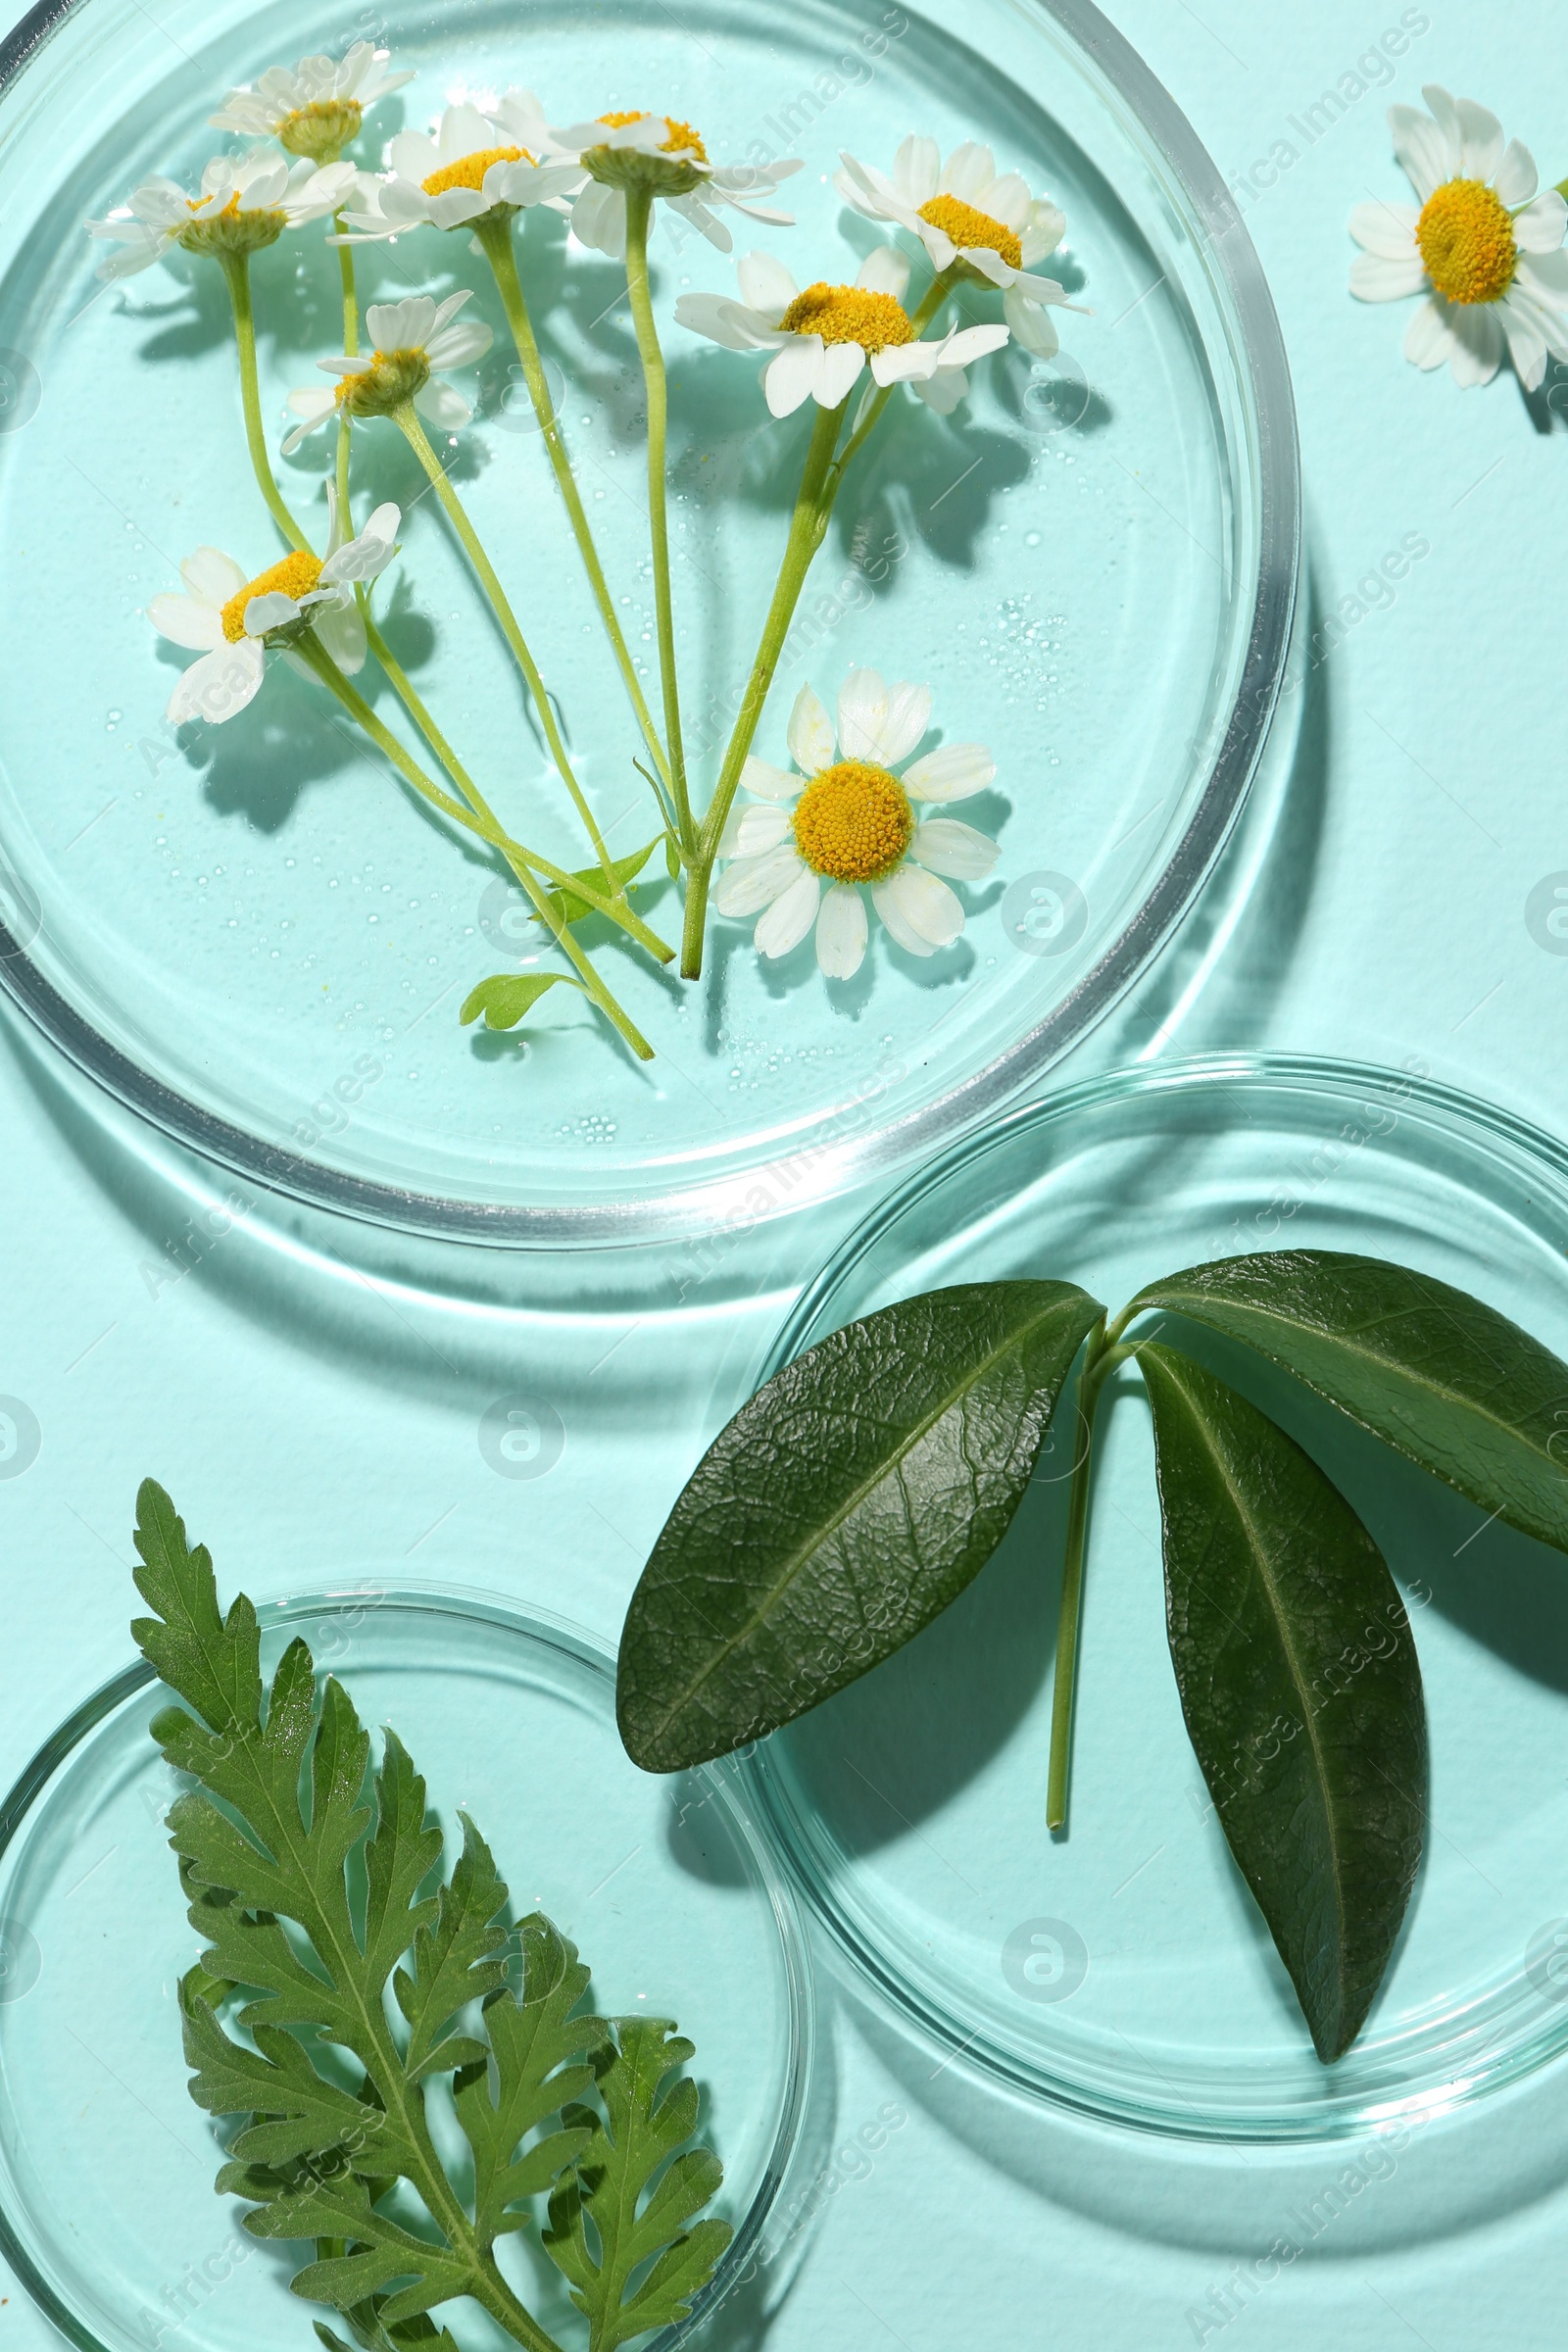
[137, 957]
[1483, 247]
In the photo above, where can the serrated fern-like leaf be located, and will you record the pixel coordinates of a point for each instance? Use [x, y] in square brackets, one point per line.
[285, 1819]
[605, 2221]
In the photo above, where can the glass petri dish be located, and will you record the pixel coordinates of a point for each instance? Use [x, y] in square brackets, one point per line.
[255, 942]
[107, 2208]
[1123, 1969]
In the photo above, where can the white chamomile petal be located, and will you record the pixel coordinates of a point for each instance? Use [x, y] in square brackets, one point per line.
[1374, 279]
[952, 773]
[1539, 228]
[771, 783]
[274, 610]
[863, 714]
[1385, 229]
[753, 883]
[842, 931]
[792, 374]
[188, 621]
[925, 905]
[211, 576]
[340, 627]
[944, 846]
[787, 921]
[809, 735]
[749, 832]
[884, 271]
[1421, 149]
[1515, 177]
[219, 686]
[908, 714]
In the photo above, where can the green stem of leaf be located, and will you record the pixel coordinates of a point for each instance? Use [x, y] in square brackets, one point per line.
[415, 434]
[1099, 1360]
[495, 236]
[237, 277]
[639, 213]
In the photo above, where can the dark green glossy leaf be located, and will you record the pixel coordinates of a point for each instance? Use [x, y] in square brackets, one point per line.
[506, 998]
[1448, 1382]
[1299, 1684]
[842, 1509]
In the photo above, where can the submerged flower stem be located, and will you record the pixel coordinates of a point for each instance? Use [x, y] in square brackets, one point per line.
[495, 236]
[814, 508]
[1100, 1361]
[236, 273]
[935, 295]
[639, 212]
[351, 345]
[617, 910]
[522, 863]
[456, 514]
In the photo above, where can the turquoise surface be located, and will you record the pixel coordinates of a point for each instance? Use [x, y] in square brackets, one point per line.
[304, 1414]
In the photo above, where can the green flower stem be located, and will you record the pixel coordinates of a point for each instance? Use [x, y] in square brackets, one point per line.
[351, 345]
[237, 276]
[415, 434]
[617, 910]
[495, 236]
[813, 507]
[639, 212]
[1100, 1360]
[936, 294]
[320, 662]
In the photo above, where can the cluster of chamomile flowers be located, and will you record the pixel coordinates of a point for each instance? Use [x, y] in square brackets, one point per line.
[847, 817]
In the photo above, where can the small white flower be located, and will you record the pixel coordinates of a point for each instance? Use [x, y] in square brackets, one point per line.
[1484, 247]
[964, 210]
[246, 201]
[316, 109]
[229, 620]
[802, 846]
[820, 339]
[415, 340]
[473, 163]
[667, 158]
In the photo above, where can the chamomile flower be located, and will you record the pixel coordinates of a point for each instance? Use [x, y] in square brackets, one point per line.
[1482, 246]
[415, 342]
[822, 337]
[230, 620]
[472, 166]
[246, 203]
[802, 850]
[669, 159]
[319, 106]
[964, 211]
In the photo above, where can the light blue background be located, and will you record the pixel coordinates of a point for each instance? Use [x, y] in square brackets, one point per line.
[309, 1420]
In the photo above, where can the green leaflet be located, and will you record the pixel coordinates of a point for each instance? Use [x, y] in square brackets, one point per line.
[597, 2236]
[572, 910]
[842, 1509]
[1317, 1769]
[1446, 1381]
[506, 998]
[268, 1871]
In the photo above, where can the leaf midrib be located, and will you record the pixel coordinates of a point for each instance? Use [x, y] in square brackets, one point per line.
[852, 1502]
[1245, 1515]
[1275, 1321]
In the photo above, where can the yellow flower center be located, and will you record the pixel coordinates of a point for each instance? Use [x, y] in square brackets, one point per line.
[682, 139]
[469, 170]
[965, 227]
[232, 230]
[295, 576]
[853, 822]
[1467, 242]
[849, 314]
[323, 130]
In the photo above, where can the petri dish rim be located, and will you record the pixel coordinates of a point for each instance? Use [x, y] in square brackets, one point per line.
[1483, 1127]
[1244, 309]
[543, 1629]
